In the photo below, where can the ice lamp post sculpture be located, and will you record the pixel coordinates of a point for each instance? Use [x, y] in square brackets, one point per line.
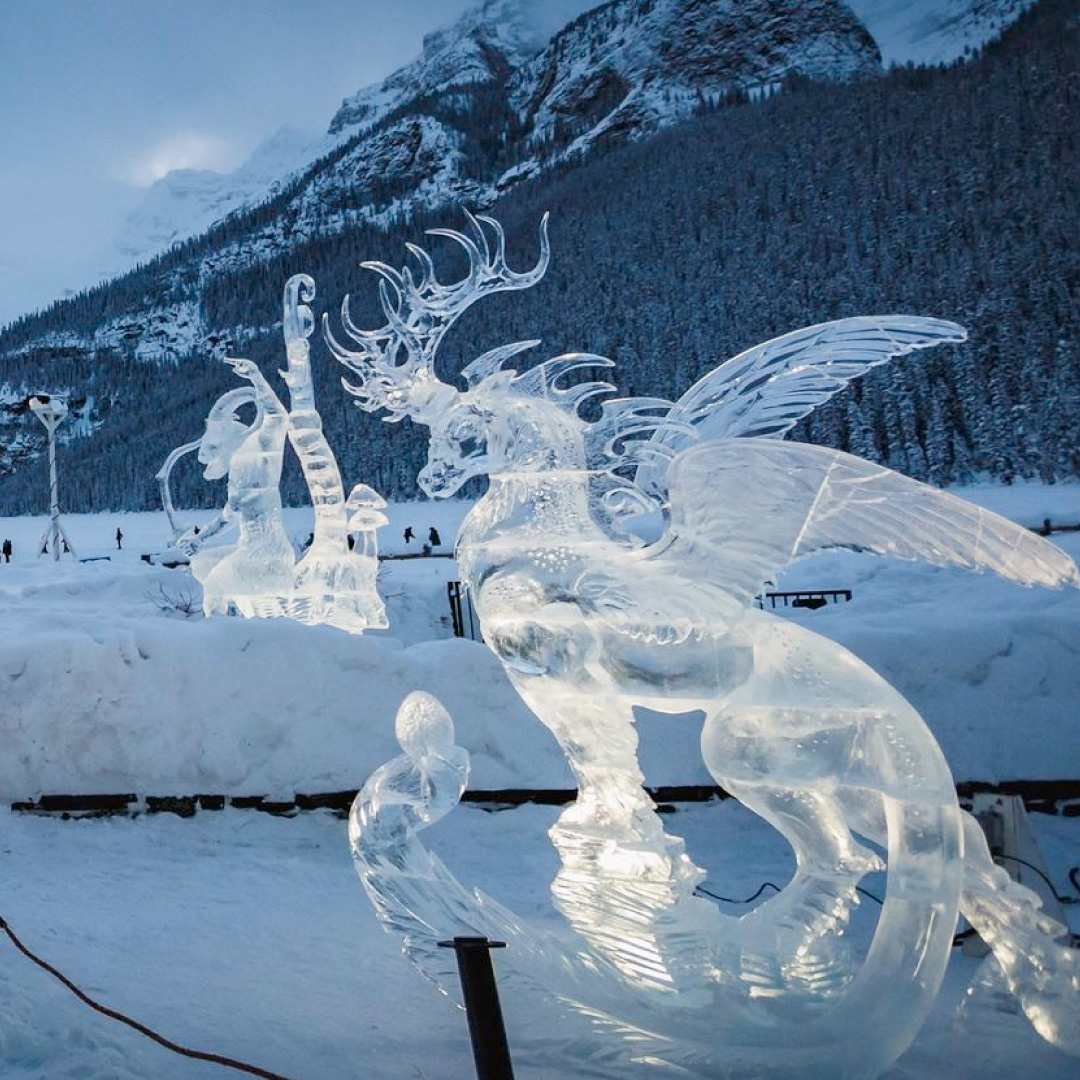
[259, 575]
[52, 412]
[590, 622]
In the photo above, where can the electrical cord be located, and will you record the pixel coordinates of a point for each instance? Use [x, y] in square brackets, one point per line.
[769, 885]
[727, 899]
[958, 938]
[142, 1029]
[1049, 883]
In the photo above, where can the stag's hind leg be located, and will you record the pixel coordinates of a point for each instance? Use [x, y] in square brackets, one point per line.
[798, 768]
[829, 861]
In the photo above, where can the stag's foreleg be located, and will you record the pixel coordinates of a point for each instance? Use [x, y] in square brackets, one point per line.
[624, 884]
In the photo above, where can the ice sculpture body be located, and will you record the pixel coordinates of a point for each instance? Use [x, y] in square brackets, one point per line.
[590, 622]
[259, 575]
[254, 575]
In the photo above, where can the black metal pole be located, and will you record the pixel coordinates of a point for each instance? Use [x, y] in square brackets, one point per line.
[490, 1050]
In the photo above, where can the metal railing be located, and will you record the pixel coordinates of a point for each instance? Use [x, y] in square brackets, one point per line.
[804, 598]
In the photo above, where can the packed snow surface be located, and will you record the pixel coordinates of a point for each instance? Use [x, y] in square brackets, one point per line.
[248, 935]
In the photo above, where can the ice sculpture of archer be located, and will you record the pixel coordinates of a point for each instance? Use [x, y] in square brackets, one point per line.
[590, 622]
[259, 574]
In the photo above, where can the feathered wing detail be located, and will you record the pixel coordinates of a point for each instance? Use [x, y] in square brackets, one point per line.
[743, 509]
[766, 390]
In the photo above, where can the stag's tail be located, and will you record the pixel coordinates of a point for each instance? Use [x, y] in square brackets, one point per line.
[1041, 971]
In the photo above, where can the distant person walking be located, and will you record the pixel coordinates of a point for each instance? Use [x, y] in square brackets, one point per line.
[119, 537]
[433, 537]
[409, 534]
[6, 549]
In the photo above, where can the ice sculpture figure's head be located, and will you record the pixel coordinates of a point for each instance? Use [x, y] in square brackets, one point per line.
[461, 441]
[471, 432]
[225, 432]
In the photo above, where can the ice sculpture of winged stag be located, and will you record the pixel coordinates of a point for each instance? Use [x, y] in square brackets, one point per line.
[590, 621]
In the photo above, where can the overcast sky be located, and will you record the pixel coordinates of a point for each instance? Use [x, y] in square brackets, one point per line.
[98, 98]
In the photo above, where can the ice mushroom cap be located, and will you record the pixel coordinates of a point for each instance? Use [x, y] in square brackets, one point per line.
[364, 509]
[364, 497]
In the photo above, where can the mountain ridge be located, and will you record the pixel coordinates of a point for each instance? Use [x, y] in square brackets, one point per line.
[468, 142]
[185, 203]
[765, 225]
[921, 31]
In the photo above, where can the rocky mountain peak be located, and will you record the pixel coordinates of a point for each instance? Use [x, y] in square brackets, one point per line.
[633, 65]
[485, 44]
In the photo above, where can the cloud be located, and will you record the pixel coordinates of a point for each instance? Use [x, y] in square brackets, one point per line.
[187, 150]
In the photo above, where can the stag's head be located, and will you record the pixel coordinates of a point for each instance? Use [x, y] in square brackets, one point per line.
[471, 432]
[510, 424]
[463, 437]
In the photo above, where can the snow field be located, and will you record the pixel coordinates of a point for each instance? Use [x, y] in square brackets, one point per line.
[248, 935]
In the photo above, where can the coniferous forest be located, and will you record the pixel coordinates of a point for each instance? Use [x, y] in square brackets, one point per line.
[949, 192]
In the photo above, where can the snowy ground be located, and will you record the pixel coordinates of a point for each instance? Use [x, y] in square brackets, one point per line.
[249, 935]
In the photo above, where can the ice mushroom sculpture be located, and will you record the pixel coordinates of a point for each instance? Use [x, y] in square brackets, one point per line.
[258, 574]
[365, 510]
[590, 621]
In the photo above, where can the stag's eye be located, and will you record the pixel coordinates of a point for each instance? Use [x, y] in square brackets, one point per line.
[467, 436]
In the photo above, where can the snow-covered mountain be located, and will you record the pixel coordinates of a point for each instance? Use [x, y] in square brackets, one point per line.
[186, 202]
[486, 43]
[496, 97]
[633, 66]
[935, 31]
[563, 61]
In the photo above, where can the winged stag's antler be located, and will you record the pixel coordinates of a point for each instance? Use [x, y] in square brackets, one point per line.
[396, 363]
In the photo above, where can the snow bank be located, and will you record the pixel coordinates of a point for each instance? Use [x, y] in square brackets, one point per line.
[244, 707]
[106, 687]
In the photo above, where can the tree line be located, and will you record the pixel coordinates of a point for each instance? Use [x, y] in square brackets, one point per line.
[938, 191]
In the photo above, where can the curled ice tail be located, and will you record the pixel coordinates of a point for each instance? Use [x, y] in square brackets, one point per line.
[551, 982]
[412, 891]
[1041, 972]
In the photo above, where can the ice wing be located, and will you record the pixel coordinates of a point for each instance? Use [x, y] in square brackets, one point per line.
[743, 509]
[766, 390]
